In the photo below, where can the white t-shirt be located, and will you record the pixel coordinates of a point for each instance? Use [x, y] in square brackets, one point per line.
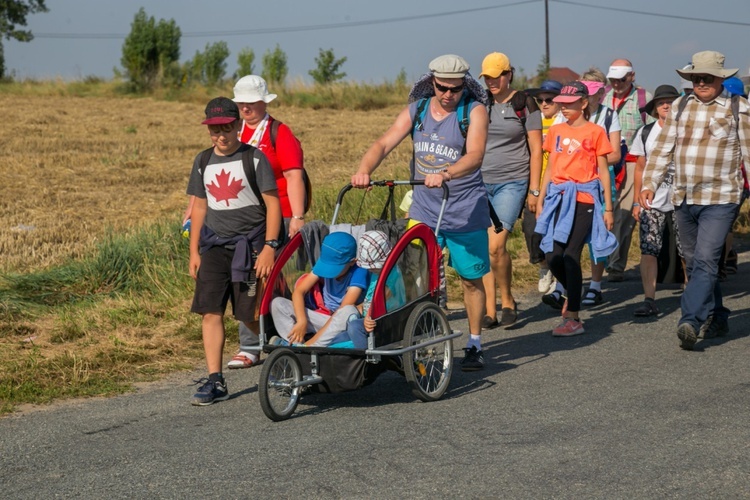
[663, 196]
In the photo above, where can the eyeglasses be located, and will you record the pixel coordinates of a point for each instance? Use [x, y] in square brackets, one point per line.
[696, 79]
[223, 128]
[444, 89]
[546, 100]
[621, 80]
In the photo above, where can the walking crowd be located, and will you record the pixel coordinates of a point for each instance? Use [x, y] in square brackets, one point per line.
[579, 162]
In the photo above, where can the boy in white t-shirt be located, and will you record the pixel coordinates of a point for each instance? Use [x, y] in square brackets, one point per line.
[653, 218]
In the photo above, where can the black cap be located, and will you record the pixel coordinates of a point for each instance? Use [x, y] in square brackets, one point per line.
[661, 92]
[221, 110]
[571, 92]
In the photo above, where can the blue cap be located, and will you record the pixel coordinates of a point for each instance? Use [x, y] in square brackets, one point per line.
[734, 86]
[338, 250]
[547, 86]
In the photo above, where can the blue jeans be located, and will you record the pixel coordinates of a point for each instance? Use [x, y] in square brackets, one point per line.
[703, 229]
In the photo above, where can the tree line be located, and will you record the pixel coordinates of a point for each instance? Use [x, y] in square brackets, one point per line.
[151, 52]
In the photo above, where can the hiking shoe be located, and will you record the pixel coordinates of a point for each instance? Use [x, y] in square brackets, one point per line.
[730, 264]
[473, 360]
[555, 300]
[615, 276]
[714, 327]
[210, 392]
[592, 297]
[688, 337]
[546, 280]
[243, 360]
[509, 315]
[647, 308]
[568, 328]
[488, 323]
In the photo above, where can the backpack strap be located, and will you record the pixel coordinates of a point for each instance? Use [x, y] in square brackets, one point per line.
[204, 158]
[608, 118]
[641, 95]
[490, 103]
[249, 164]
[681, 108]
[735, 105]
[274, 131]
[418, 124]
[645, 132]
[462, 114]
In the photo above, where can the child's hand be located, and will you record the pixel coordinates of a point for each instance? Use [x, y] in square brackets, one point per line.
[539, 207]
[297, 334]
[195, 263]
[369, 324]
[609, 220]
[264, 262]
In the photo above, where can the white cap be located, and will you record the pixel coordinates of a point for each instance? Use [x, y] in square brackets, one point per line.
[252, 88]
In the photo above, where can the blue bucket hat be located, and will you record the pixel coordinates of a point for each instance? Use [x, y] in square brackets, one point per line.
[338, 250]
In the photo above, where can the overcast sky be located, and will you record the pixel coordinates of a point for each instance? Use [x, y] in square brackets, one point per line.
[79, 38]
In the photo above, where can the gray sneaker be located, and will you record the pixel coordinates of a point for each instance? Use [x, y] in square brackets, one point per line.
[688, 337]
[714, 327]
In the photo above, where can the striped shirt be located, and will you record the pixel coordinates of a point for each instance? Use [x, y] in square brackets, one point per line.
[708, 146]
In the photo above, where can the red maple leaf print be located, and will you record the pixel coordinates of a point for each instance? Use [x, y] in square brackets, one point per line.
[224, 189]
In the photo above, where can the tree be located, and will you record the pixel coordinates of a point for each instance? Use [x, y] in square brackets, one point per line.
[215, 65]
[328, 67]
[245, 63]
[150, 50]
[542, 71]
[274, 66]
[12, 14]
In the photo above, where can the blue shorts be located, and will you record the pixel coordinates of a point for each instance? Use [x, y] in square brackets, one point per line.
[507, 198]
[469, 252]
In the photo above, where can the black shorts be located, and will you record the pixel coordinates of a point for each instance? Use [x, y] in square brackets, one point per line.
[214, 287]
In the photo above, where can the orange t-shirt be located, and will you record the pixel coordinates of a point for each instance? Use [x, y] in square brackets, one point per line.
[573, 152]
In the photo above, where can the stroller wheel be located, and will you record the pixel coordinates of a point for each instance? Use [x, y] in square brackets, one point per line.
[278, 396]
[428, 369]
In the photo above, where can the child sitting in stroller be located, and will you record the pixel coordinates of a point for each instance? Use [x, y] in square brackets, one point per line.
[343, 286]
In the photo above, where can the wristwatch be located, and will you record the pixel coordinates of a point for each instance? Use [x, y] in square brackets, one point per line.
[273, 244]
[534, 192]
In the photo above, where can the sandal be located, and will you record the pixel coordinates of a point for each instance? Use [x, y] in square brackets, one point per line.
[592, 297]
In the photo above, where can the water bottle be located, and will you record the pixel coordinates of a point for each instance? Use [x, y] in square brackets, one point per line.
[186, 230]
[252, 279]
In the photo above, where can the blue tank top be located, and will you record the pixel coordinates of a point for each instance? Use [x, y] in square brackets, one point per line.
[436, 147]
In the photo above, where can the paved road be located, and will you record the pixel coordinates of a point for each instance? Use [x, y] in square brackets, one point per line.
[620, 412]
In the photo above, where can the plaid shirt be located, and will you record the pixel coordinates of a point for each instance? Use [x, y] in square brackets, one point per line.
[708, 146]
[629, 114]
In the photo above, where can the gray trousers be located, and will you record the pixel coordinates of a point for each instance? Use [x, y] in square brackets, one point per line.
[624, 221]
[282, 311]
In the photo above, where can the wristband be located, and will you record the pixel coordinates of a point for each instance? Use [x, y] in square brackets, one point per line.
[298, 217]
[608, 210]
[636, 204]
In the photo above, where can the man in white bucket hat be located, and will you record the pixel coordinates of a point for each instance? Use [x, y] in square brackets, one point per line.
[708, 140]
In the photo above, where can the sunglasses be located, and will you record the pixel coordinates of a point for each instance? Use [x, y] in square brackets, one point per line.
[621, 80]
[444, 89]
[546, 100]
[696, 79]
[224, 128]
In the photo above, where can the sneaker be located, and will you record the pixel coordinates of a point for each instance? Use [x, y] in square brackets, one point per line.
[647, 308]
[276, 340]
[555, 300]
[568, 328]
[546, 280]
[509, 315]
[714, 327]
[592, 297]
[688, 337]
[615, 276]
[473, 360]
[488, 323]
[243, 360]
[210, 392]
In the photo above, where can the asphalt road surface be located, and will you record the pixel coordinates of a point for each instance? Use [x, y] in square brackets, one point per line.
[619, 412]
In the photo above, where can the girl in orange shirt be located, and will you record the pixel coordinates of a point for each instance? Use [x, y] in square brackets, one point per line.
[571, 201]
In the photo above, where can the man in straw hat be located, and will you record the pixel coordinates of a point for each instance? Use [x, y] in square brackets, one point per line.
[443, 154]
[708, 145]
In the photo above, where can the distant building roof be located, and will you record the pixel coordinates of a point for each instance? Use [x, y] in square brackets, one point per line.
[562, 75]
